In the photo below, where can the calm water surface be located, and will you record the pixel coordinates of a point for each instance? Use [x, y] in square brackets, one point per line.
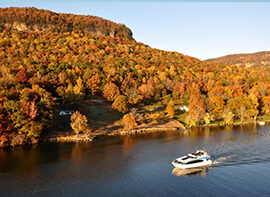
[141, 165]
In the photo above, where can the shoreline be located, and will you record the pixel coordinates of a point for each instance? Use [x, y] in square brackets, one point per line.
[92, 137]
[68, 137]
[143, 130]
[234, 124]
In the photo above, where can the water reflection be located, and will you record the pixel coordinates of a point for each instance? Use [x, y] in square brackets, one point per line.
[202, 171]
[139, 164]
[216, 141]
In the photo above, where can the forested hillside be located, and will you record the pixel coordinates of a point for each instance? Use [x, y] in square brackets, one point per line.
[36, 67]
[32, 19]
[255, 60]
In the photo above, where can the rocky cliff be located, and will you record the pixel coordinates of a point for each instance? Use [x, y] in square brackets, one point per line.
[33, 19]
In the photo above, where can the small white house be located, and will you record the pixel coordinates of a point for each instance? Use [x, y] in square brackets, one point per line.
[66, 113]
[183, 108]
[261, 123]
[62, 113]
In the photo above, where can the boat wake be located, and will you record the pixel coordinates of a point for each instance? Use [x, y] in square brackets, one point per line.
[221, 159]
[239, 151]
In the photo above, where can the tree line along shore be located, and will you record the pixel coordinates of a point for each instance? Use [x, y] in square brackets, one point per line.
[139, 121]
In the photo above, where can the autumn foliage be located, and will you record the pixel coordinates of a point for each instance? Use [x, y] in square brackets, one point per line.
[170, 108]
[120, 104]
[129, 121]
[197, 108]
[79, 123]
[63, 56]
[255, 60]
[45, 20]
[111, 91]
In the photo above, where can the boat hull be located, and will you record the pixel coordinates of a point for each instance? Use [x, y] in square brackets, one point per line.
[194, 165]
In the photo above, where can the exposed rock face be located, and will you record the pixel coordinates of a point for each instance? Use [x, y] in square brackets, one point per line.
[37, 20]
[18, 26]
[26, 28]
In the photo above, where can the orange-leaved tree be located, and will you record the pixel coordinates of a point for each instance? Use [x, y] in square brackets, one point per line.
[129, 121]
[79, 123]
[266, 104]
[111, 91]
[120, 104]
[170, 108]
[216, 105]
[197, 107]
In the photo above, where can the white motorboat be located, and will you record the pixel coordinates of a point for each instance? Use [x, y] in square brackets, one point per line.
[194, 160]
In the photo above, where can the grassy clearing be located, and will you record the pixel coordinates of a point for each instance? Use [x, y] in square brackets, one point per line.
[98, 112]
[102, 117]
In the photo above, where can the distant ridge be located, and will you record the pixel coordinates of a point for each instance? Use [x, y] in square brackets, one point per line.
[33, 19]
[254, 60]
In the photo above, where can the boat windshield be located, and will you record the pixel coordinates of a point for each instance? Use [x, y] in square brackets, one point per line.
[191, 156]
[195, 161]
[179, 162]
[198, 153]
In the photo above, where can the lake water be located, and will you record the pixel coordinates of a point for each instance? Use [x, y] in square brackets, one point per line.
[141, 165]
